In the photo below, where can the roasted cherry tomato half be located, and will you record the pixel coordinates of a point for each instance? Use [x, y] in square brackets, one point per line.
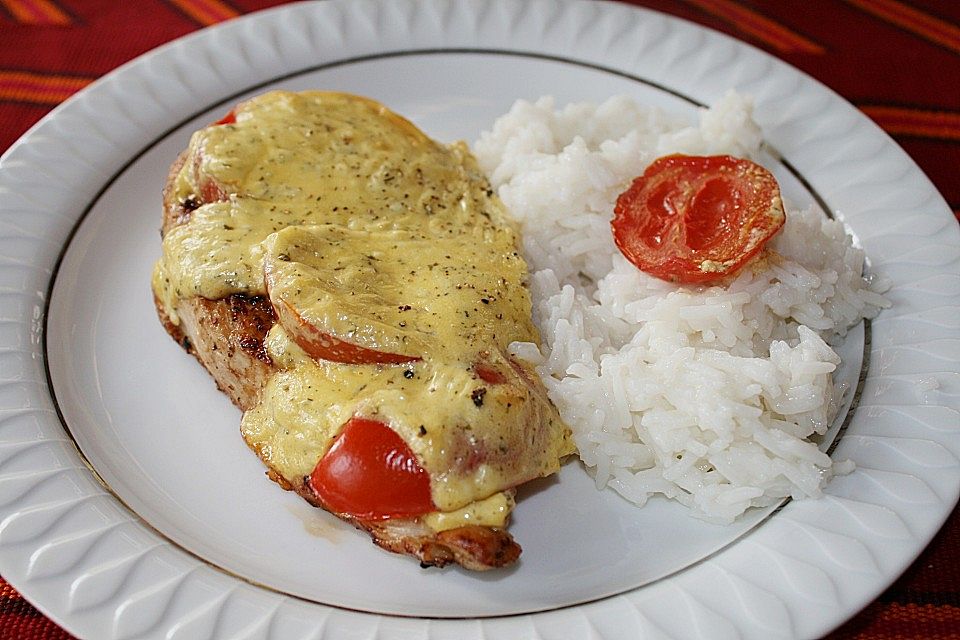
[370, 473]
[696, 219]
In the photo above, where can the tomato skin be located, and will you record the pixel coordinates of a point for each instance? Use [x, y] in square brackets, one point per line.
[697, 219]
[210, 190]
[230, 118]
[370, 473]
[488, 374]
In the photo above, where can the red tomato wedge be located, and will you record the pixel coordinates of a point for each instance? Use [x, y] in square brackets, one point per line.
[371, 474]
[696, 219]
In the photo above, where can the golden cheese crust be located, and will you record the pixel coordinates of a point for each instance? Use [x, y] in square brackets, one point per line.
[227, 338]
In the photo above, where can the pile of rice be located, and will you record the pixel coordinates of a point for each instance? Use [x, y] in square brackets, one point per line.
[712, 396]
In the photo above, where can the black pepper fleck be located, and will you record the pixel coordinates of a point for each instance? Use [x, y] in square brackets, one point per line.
[477, 396]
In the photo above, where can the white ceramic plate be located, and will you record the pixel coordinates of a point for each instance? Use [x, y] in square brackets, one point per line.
[166, 526]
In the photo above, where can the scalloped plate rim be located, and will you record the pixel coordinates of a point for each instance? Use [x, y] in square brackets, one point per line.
[951, 484]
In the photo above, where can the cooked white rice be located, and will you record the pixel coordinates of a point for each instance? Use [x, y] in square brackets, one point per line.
[706, 395]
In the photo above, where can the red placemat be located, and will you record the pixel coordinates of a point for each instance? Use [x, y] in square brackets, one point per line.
[897, 61]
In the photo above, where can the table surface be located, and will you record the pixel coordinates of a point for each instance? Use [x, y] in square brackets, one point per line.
[898, 61]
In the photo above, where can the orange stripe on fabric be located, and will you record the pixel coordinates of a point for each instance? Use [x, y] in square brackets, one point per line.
[36, 12]
[7, 592]
[23, 86]
[894, 620]
[916, 122]
[922, 24]
[760, 27]
[206, 11]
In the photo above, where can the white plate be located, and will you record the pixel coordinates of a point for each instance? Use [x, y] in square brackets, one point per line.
[175, 532]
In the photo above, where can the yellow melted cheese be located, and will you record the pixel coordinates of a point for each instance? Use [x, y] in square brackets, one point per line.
[388, 240]
[404, 291]
[491, 512]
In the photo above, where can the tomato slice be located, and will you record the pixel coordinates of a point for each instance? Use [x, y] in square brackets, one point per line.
[697, 219]
[324, 346]
[319, 344]
[371, 474]
[211, 190]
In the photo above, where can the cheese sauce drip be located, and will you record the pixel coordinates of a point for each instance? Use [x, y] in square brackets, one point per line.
[381, 237]
[472, 437]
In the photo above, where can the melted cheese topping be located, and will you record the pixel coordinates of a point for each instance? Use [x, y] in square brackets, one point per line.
[403, 291]
[492, 512]
[388, 240]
